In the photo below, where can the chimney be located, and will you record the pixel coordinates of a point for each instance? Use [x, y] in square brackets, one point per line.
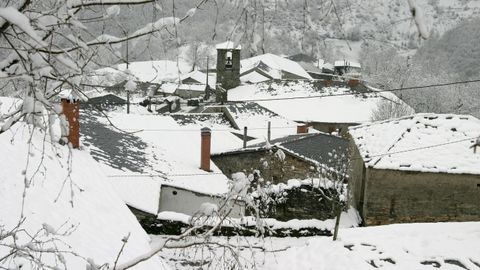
[302, 128]
[71, 110]
[205, 149]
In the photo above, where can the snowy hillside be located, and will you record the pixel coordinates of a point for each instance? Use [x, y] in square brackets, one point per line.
[287, 31]
[361, 20]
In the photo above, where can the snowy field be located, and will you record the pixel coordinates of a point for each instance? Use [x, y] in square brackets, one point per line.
[401, 246]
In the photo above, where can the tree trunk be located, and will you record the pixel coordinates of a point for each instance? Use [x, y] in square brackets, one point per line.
[338, 212]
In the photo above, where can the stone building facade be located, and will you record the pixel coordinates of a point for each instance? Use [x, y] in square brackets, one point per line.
[413, 183]
[267, 162]
[290, 157]
[384, 196]
[228, 65]
[303, 202]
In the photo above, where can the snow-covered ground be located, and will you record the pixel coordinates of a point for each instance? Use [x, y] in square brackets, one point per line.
[399, 246]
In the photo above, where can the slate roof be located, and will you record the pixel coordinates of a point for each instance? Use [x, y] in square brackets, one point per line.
[196, 118]
[313, 147]
[142, 87]
[249, 107]
[117, 150]
[108, 99]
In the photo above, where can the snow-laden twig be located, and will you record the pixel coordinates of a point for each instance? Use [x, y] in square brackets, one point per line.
[419, 19]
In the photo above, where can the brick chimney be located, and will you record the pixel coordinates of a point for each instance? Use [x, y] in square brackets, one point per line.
[302, 128]
[71, 110]
[206, 135]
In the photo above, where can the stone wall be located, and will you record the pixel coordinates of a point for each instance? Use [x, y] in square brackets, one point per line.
[228, 77]
[169, 227]
[303, 202]
[394, 196]
[356, 176]
[186, 94]
[271, 168]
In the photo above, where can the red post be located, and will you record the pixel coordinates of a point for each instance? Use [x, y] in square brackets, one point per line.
[205, 149]
[71, 110]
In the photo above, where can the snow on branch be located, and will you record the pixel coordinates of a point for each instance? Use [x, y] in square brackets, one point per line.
[419, 19]
[105, 39]
[86, 3]
[19, 19]
[4, 24]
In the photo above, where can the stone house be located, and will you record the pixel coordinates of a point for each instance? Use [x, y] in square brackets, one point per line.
[268, 67]
[187, 91]
[198, 77]
[346, 105]
[344, 67]
[419, 168]
[292, 173]
[290, 157]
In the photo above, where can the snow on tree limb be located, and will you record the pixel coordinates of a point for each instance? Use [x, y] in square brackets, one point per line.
[21, 6]
[419, 19]
[19, 19]
[105, 39]
[86, 3]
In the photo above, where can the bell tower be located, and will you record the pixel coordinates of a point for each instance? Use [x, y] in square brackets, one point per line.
[228, 65]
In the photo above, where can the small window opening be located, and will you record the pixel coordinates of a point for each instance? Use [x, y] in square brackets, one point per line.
[228, 61]
[174, 192]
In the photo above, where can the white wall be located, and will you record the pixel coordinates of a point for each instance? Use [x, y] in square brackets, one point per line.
[188, 202]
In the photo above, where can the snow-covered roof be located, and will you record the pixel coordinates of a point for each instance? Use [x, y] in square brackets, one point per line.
[347, 63]
[253, 77]
[328, 66]
[310, 68]
[200, 77]
[192, 87]
[228, 45]
[156, 70]
[274, 65]
[99, 217]
[324, 104]
[170, 153]
[453, 135]
[256, 118]
[168, 87]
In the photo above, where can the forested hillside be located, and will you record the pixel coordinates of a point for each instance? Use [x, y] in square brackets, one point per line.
[327, 29]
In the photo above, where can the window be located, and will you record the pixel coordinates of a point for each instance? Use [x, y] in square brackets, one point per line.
[228, 60]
